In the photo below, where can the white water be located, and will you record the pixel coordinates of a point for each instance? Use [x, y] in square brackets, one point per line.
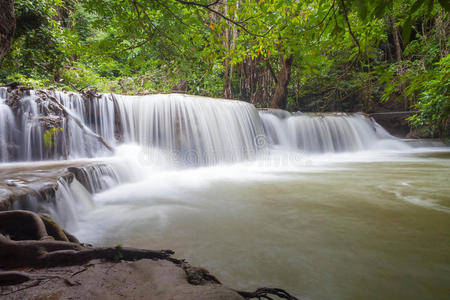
[7, 126]
[191, 130]
[318, 133]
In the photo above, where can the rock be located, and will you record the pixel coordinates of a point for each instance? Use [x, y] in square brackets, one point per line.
[10, 182]
[143, 279]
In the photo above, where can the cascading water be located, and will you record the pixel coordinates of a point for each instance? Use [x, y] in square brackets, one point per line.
[7, 126]
[195, 130]
[318, 133]
[64, 193]
[37, 125]
[190, 130]
[186, 130]
[97, 113]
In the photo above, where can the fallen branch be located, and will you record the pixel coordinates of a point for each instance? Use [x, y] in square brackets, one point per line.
[83, 127]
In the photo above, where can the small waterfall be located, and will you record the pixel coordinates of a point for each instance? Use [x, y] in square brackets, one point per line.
[194, 130]
[54, 125]
[65, 204]
[7, 126]
[72, 193]
[320, 133]
[97, 178]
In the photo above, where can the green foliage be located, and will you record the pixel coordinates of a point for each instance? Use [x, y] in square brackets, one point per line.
[36, 50]
[434, 101]
[49, 136]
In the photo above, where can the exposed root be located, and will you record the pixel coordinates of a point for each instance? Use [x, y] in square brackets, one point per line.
[265, 293]
[22, 225]
[53, 229]
[25, 241]
[57, 232]
[13, 278]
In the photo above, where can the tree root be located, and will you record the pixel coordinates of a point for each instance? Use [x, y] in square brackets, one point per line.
[55, 231]
[264, 293]
[27, 239]
[22, 225]
[13, 278]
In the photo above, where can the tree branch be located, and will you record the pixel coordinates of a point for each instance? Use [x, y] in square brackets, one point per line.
[238, 24]
[350, 28]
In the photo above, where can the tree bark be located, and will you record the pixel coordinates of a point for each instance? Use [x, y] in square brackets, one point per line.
[229, 44]
[7, 26]
[398, 57]
[397, 42]
[227, 91]
[279, 97]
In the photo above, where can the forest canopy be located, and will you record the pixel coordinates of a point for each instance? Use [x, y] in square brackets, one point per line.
[312, 55]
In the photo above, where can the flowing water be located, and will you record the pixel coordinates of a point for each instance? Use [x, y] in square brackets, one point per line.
[325, 206]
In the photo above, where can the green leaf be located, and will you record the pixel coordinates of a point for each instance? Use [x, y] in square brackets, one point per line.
[416, 6]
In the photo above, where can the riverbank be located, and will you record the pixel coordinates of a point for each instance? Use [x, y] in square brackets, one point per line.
[40, 260]
[143, 279]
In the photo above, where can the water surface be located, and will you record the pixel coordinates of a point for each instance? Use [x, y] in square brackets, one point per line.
[336, 226]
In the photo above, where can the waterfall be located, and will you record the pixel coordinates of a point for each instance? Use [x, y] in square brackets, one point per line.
[194, 130]
[175, 130]
[53, 126]
[190, 130]
[69, 193]
[320, 133]
[7, 126]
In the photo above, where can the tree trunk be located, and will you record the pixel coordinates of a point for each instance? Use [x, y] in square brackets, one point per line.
[397, 42]
[280, 95]
[7, 26]
[398, 56]
[230, 45]
[226, 62]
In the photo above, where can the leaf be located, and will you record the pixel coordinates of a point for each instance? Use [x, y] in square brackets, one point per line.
[416, 6]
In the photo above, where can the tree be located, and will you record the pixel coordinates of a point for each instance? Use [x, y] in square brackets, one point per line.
[7, 26]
